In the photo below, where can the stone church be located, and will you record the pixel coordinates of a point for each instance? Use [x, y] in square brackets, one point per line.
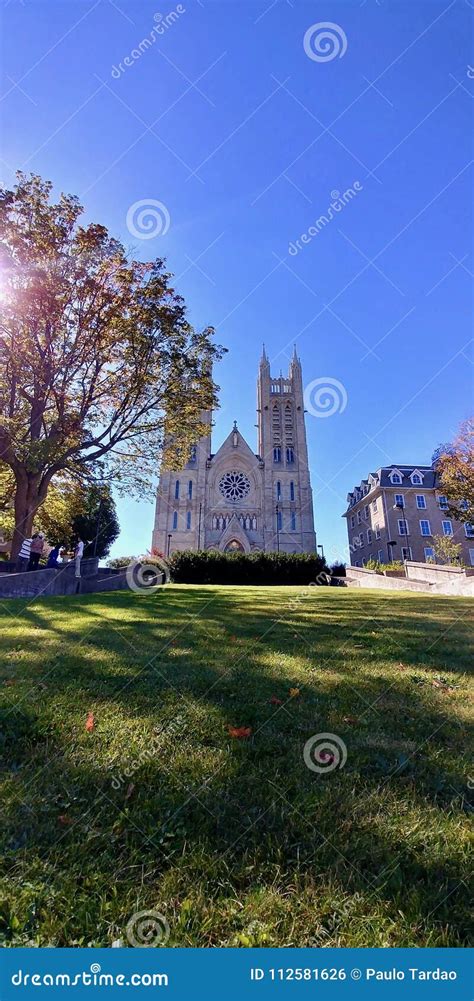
[239, 500]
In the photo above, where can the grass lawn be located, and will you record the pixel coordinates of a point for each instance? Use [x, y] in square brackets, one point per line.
[234, 839]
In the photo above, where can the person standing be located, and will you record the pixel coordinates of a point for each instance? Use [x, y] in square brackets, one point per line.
[78, 553]
[37, 546]
[23, 557]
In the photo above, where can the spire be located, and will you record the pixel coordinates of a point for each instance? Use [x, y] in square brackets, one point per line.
[295, 362]
[264, 362]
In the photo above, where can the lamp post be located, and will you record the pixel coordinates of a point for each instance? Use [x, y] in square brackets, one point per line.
[390, 546]
[401, 507]
[322, 551]
[169, 543]
[277, 509]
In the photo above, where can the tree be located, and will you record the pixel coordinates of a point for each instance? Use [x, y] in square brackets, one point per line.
[454, 464]
[446, 550]
[73, 510]
[97, 360]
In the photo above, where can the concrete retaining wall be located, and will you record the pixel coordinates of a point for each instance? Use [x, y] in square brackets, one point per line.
[427, 577]
[359, 577]
[35, 583]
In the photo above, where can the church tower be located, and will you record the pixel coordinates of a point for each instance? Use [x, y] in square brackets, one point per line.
[239, 500]
[282, 447]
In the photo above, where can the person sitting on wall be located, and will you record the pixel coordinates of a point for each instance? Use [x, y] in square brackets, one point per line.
[53, 558]
[23, 557]
[37, 546]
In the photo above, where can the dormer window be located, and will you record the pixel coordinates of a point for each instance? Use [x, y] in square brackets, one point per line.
[396, 476]
[416, 478]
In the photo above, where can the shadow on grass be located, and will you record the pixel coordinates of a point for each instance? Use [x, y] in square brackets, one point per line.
[158, 801]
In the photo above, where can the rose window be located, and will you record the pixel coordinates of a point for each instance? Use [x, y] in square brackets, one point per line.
[234, 485]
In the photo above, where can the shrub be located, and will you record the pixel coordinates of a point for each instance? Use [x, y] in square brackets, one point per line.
[213, 567]
[120, 562]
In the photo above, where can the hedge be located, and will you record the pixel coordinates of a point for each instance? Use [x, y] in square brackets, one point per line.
[213, 567]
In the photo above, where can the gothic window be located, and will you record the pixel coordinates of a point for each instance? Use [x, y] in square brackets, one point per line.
[288, 417]
[292, 491]
[293, 521]
[277, 454]
[175, 520]
[276, 424]
[188, 520]
[279, 521]
[192, 454]
[190, 489]
[176, 490]
[290, 455]
[234, 485]
[278, 490]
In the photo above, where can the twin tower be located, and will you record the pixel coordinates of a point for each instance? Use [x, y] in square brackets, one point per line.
[239, 500]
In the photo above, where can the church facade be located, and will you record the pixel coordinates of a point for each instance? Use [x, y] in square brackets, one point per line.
[239, 500]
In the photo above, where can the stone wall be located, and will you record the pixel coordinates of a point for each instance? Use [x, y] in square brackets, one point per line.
[35, 583]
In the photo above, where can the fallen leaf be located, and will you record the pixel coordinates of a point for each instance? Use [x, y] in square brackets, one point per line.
[239, 731]
[64, 819]
[129, 791]
[275, 701]
[352, 720]
[90, 722]
[294, 692]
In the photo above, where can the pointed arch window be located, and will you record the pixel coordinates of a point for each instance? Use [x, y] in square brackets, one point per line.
[293, 521]
[176, 490]
[278, 490]
[288, 424]
[290, 456]
[190, 489]
[277, 454]
[175, 520]
[292, 490]
[188, 520]
[276, 424]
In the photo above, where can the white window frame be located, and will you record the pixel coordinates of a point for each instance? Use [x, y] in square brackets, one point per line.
[380, 555]
[449, 534]
[416, 478]
[353, 521]
[366, 512]
[361, 540]
[422, 498]
[377, 531]
[442, 502]
[396, 477]
[429, 533]
[471, 557]
[429, 553]
[403, 527]
[369, 536]
[469, 530]
[374, 506]
[400, 500]
[406, 549]
[359, 517]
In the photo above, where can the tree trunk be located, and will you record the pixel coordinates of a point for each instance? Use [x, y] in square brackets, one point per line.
[26, 504]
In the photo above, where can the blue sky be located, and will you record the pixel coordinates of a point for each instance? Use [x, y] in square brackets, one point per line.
[244, 137]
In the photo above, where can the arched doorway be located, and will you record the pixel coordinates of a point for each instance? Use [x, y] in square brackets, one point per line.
[234, 546]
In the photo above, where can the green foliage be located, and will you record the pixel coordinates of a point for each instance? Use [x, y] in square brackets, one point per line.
[446, 550]
[121, 562]
[98, 362]
[213, 567]
[454, 464]
[338, 569]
